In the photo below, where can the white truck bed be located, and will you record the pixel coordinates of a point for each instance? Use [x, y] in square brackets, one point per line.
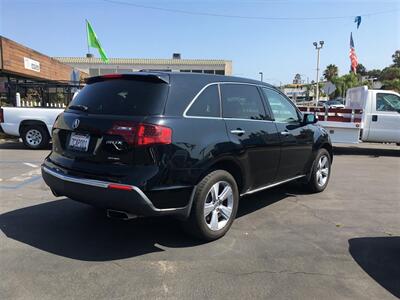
[344, 125]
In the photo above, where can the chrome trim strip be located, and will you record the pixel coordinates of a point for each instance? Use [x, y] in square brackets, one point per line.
[91, 182]
[194, 99]
[220, 104]
[103, 184]
[271, 185]
[252, 120]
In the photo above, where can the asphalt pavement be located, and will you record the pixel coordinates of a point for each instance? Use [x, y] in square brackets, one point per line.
[343, 243]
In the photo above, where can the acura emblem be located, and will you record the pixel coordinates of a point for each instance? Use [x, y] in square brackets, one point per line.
[75, 124]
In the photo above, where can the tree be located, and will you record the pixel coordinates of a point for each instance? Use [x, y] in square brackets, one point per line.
[391, 85]
[361, 70]
[297, 79]
[390, 73]
[375, 73]
[344, 83]
[331, 72]
[396, 59]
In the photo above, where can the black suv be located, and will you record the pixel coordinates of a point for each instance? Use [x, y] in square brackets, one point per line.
[187, 145]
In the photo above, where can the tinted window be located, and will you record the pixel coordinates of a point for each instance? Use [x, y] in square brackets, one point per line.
[241, 101]
[387, 102]
[123, 97]
[206, 104]
[283, 110]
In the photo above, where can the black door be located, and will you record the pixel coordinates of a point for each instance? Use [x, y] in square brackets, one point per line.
[296, 139]
[254, 136]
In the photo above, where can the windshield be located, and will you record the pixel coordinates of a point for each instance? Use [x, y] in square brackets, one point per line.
[121, 97]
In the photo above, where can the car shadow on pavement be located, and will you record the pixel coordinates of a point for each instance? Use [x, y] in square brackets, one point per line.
[379, 257]
[373, 152]
[74, 230]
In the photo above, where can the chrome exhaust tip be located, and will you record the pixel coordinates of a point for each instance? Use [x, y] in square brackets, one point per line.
[120, 215]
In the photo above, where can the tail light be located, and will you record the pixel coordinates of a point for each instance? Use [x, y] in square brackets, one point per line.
[140, 134]
[1, 115]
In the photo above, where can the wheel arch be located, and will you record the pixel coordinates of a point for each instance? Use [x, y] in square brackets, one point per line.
[328, 148]
[26, 123]
[232, 167]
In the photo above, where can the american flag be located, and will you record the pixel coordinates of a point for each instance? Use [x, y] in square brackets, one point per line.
[353, 56]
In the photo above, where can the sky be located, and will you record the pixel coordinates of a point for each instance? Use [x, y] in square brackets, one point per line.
[270, 36]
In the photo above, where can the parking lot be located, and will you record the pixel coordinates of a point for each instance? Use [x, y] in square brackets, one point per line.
[341, 244]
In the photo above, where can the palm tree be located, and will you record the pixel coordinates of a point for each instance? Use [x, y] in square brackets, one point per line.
[330, 72]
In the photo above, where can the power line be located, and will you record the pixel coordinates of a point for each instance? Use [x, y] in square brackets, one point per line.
[245, 17]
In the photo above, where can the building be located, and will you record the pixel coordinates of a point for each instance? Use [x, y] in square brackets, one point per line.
[299, 92]
[95, 66]
[37, 79]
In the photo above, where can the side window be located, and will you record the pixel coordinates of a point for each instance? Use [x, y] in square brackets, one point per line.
[241, 101]
[387, 102]
[206, 104]
[282, 109]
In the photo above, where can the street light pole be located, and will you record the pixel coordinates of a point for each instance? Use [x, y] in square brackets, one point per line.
[261, 75]
[318, 48]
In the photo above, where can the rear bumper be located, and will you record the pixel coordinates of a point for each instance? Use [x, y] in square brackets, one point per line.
[108, 195]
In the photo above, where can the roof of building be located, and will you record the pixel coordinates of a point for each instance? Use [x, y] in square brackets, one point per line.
[143, 61]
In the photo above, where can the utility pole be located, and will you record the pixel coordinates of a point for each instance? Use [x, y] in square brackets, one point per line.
[318, 48]
[261, 76]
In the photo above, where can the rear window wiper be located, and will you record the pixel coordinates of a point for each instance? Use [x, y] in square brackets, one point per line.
[78, 107]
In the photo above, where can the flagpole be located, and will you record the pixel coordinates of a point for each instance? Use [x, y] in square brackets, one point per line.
[87, 35]
[88, 55]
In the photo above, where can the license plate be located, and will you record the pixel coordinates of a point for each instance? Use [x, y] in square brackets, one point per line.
[79, 142]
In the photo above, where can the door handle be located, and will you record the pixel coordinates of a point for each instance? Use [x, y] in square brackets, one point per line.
[238, 131]
[285, 132]
[374, 118]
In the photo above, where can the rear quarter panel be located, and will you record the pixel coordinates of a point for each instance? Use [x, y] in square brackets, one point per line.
[196, 144]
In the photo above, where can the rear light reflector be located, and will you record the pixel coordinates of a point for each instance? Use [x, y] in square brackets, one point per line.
[121, 187]
[141, 134]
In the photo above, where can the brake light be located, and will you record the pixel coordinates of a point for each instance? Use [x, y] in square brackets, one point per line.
[111, 76]
[149, 134]
[1, 116]
[140, 134]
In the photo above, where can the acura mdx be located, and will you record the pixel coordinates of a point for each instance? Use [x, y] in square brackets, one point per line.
[184, 145]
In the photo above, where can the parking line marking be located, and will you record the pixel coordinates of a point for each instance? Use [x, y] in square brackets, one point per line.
[25, 176]
[30, 165]
[19, 185]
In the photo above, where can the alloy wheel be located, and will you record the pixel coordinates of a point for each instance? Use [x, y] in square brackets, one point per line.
[322, 173]
[218, 205]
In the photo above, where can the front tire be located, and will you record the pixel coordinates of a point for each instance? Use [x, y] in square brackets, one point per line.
[35, 137]
[214, 207]
[320, 172]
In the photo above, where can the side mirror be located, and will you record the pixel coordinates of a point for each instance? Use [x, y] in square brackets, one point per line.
[309, 119]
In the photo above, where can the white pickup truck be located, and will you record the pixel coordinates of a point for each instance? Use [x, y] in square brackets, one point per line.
[368, 116]
[32, 124]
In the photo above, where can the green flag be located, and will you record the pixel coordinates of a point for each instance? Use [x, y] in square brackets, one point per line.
[94, 42]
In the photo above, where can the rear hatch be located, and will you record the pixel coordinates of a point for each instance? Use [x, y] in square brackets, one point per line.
[104, 129]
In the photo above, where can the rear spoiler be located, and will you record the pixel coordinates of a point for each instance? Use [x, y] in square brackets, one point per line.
[148, 77]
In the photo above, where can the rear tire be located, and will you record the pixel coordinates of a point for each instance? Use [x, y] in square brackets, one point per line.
[214, 207]
[35, 137]
[320, 172]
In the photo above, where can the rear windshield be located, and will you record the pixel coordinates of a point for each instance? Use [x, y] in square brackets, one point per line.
[123, 97]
